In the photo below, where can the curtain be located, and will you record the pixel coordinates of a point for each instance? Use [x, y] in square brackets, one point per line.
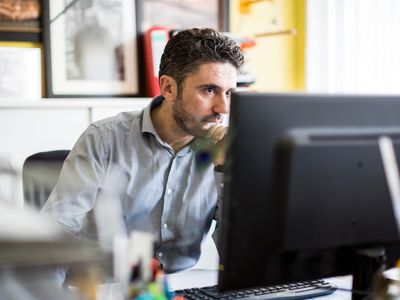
[353, 46]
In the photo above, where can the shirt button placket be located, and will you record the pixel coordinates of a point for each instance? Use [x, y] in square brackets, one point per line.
[167, 202]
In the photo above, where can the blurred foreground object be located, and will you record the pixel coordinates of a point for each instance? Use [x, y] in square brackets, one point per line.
[212, 148]
[31, 250]
[387, 285]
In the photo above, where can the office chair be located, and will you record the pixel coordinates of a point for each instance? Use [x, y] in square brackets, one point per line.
[40, 173]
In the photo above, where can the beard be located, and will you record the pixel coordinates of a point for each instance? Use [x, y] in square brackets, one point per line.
[189, 124]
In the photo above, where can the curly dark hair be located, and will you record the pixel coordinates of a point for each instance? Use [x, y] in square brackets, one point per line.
[190, 48]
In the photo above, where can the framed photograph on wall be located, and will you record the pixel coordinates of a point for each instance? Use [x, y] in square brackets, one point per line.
[19, 20]
[20, 72]
[90, 48]
[181, 14]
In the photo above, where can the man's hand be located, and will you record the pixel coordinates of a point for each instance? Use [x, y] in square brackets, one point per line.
[217, 134]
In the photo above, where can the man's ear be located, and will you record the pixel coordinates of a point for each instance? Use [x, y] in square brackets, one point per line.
[168, 87]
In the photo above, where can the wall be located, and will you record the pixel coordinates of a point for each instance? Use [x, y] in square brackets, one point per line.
[278, 61]
[28, 127]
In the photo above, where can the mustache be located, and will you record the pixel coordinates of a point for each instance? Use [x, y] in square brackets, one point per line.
[213, 118]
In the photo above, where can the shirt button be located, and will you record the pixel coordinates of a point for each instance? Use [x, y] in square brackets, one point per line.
[169, 191]
[160, 254]
[165, 226]
[222, 185]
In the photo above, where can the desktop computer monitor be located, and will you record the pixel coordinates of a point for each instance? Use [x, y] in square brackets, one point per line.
[305, 186]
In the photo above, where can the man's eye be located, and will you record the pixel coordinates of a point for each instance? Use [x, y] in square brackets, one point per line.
[210, 90]
[228, 93]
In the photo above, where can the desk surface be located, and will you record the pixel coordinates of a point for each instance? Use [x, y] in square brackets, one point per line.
[198, 278]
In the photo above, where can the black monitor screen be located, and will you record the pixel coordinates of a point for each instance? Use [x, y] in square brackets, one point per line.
[305, 186]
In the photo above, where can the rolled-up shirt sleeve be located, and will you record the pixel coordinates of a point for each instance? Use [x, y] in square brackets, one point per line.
[80, 180]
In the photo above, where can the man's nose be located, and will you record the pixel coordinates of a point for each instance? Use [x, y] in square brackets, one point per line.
[222, 104]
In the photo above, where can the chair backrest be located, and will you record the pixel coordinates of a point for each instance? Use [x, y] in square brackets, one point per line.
[40, 173]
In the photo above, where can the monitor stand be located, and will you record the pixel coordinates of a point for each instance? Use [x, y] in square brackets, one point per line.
[368, 263]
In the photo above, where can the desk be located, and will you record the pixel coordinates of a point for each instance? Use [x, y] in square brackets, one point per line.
[198, 278]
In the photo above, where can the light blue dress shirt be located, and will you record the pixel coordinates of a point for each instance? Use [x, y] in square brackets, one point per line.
[163, 192]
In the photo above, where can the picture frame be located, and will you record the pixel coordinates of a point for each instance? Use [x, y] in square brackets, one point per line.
[198, 13]
[90, 48]
[20, 71]
[20, 21]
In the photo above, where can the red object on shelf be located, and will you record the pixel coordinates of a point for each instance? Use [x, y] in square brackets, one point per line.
[154, 43]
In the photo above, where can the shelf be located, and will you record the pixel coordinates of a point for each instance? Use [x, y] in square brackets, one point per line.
[74, 103]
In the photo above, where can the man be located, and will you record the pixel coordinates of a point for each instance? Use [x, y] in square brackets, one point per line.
[161, 190]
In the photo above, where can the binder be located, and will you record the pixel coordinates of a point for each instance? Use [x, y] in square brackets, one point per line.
[155, 40]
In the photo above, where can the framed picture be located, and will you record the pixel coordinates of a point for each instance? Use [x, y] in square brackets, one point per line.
[19, 20]
[90, 48]
[20, 72]
[181, 14]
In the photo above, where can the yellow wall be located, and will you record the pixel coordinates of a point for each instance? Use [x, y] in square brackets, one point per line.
[277, 62]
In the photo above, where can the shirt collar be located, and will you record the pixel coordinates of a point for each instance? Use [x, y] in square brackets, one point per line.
[148, 126]
[147, 123]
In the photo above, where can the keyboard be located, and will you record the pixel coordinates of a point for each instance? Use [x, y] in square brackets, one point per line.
[299, 290]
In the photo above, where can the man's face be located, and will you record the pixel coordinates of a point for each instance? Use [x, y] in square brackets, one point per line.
[204, 98]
